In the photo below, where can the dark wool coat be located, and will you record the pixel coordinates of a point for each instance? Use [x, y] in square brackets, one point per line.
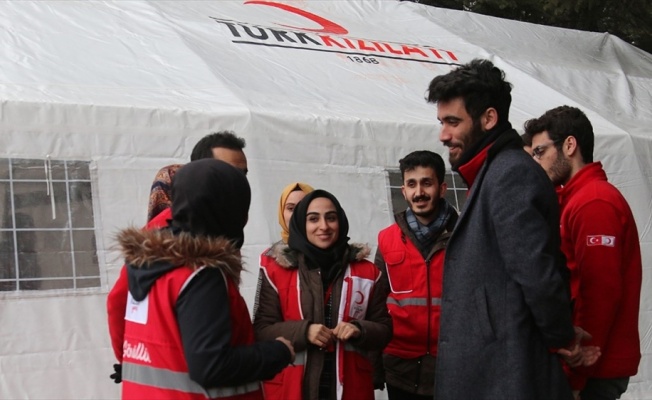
[505, 300]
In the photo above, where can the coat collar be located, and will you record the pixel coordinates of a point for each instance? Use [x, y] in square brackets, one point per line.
[289, 258]
[145, 248]
[590, 172]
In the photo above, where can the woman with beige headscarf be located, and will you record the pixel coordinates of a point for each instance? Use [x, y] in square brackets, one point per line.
[290, 197]
[292, 194]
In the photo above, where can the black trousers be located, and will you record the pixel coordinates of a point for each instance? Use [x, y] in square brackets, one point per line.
[394, 393]
[604, 389]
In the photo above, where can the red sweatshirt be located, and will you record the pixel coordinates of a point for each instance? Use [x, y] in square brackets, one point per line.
[601, 244]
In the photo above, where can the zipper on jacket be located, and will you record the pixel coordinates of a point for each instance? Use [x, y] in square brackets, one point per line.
[428, 304]
[417, 382]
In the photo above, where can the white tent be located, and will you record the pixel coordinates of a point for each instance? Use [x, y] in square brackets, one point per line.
[96, 96]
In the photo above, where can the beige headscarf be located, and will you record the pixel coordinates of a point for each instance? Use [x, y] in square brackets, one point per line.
[305, 188]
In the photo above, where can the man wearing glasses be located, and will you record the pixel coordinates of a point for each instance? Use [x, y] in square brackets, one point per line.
[601, 244]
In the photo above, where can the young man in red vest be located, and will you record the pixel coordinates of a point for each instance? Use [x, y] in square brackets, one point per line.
[411, 257]
[600, 241]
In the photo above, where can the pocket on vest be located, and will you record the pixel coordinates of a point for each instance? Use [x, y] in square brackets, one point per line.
[399, 275]
[280, 387]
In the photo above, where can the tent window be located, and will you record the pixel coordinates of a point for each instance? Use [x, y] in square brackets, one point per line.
[456, 193]
[47, 232]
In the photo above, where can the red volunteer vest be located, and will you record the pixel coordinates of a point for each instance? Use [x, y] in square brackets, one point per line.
[414, 301]
[354, 370]
[154, 366]
[117, 298]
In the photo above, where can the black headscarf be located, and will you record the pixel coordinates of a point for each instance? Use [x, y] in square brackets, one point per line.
[210, 198]
[330, 260]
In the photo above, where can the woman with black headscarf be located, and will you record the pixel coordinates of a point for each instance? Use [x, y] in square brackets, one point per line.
[319, 293]
[188, 333]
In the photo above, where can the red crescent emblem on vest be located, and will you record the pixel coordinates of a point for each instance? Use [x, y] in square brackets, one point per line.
[361, 297]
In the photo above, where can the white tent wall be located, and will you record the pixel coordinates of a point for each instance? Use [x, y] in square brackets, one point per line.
[132, 86]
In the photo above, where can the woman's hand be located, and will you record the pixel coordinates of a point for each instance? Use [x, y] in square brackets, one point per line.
[320, 335]
[345, 331]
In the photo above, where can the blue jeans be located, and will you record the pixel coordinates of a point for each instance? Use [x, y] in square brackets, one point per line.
[604, 389]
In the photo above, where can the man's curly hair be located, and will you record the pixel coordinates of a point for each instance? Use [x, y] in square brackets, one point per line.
[479, 83]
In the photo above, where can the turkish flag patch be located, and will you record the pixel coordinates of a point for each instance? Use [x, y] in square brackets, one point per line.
[600, 240]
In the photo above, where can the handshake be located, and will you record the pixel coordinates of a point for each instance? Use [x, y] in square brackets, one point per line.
[577, 355]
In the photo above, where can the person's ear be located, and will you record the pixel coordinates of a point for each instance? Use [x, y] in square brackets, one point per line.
[489, 119]
[570, 146]
[442, 189]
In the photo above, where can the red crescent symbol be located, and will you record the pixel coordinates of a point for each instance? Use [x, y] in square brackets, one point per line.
[361, 298]
[327, 26]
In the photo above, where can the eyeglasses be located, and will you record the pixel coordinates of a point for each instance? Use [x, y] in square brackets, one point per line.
[538, 151]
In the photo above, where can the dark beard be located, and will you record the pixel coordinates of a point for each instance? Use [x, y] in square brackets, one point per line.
[560, 170]
[474, 137]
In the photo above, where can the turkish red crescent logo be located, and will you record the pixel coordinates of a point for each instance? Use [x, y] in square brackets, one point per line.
[600, 240]
[327, 26]
[608, 240]
[361, 297]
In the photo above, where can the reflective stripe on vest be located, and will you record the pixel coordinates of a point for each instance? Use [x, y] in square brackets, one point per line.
[413, 301]
[300, 358]
[349, 347]
[179, 381]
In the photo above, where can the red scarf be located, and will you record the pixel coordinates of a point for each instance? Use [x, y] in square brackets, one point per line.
[470, 170]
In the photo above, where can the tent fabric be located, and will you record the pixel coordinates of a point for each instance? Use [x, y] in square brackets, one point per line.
[326, 92]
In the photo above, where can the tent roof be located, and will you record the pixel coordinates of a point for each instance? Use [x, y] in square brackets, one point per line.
[328, 92]
[205, 57]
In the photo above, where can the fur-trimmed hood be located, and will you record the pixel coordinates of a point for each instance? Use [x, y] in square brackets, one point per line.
[288, 258]
[151, 253]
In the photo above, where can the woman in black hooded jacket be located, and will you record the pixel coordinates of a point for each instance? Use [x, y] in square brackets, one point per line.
[188, 333]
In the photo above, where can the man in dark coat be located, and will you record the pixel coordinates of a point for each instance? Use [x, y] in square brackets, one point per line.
[505, 303]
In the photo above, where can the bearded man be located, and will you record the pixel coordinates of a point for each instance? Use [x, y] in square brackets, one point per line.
[600, 241]
[505, 298]
[411, 257]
